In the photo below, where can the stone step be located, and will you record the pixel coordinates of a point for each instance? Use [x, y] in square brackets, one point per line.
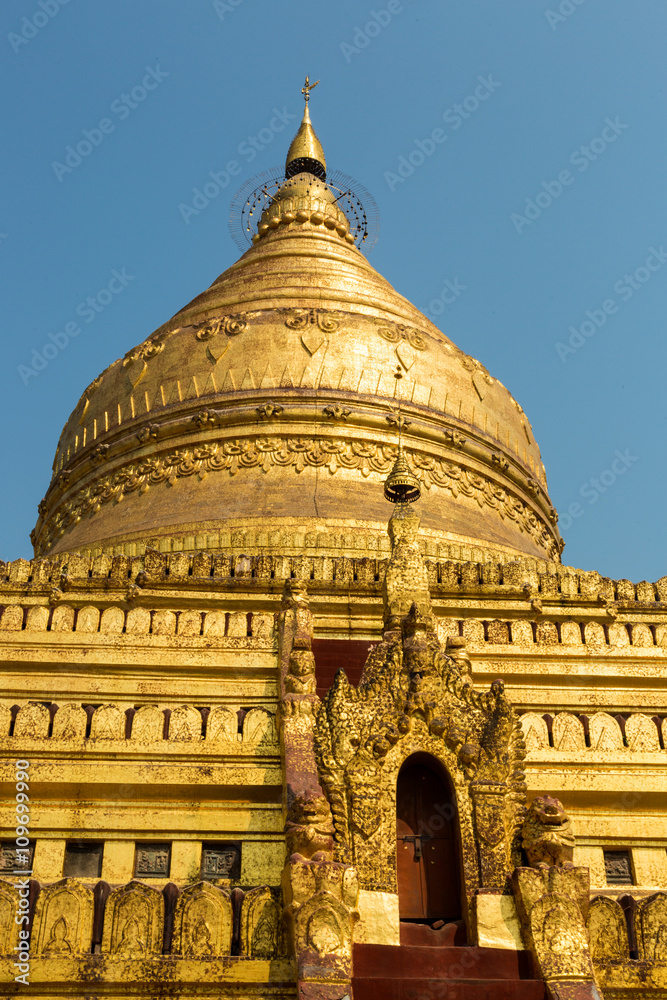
[422, 961]
[446, 989]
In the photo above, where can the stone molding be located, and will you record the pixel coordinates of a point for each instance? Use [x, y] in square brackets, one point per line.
[230, 629]
[183, 562]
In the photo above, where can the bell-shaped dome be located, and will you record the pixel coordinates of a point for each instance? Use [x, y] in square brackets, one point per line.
[263, 417]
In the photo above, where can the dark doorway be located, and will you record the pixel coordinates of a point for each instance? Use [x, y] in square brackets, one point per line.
[427, 865]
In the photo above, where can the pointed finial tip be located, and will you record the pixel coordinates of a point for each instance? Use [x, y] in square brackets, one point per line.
[401, 486]
[305, 152]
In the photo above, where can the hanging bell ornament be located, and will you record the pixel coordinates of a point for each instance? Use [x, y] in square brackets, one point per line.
[401, 486]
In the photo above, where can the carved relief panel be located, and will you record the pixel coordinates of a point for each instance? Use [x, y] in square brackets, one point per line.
[148, 724]
[185, 723]
[221, 861]
[651, 928]
[608, 931]
[152, 860]
[133, 921]
[260, 924]
[32, 721]
[69, 722]
[9, 907]
[535, 731]
[108, 723]
[202, 922]
[222, 724]
[259, 726]
[63, 923]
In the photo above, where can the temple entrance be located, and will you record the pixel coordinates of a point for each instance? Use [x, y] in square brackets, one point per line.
[427, 865]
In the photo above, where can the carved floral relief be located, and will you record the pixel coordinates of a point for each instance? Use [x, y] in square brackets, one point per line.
[269, 452]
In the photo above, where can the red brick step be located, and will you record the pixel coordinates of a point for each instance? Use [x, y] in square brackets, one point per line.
[442, 989]
[424, 972]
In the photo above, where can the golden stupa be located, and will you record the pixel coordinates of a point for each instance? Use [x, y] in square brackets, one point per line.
[263, 405]
[254, 740]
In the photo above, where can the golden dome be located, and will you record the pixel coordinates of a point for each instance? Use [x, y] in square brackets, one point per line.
[262, 418]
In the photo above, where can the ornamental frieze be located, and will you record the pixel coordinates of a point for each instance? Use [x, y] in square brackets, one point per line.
[229, 325]
[269, 410]
[149, 349]
[397, 333]
[143, 354]
[298, 453]
[481, 379]
[143, 381]
[337, 412]
[314, 325]
[406, 341]
[298, 319]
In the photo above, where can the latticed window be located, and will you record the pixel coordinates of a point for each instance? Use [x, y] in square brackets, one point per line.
[221, 861]
[15, 860]
[152, 860]
[618, 868]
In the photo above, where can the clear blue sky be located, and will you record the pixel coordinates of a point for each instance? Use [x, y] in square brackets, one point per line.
[588, 74]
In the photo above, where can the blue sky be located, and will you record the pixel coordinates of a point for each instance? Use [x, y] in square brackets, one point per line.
[543, 206]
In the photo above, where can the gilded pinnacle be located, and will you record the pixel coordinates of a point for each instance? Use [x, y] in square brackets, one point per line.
[305, 152]
[401, 486]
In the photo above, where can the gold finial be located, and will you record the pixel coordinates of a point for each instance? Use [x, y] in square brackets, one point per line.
[306, 153]
[401, 486]
[306, 89]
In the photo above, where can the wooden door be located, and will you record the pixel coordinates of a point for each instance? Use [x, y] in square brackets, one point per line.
[426, 854]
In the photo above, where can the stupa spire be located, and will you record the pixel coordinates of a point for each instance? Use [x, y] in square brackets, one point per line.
[305, 152]
[401, 486]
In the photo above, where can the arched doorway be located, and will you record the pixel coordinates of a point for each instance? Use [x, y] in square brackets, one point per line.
[427, 863]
